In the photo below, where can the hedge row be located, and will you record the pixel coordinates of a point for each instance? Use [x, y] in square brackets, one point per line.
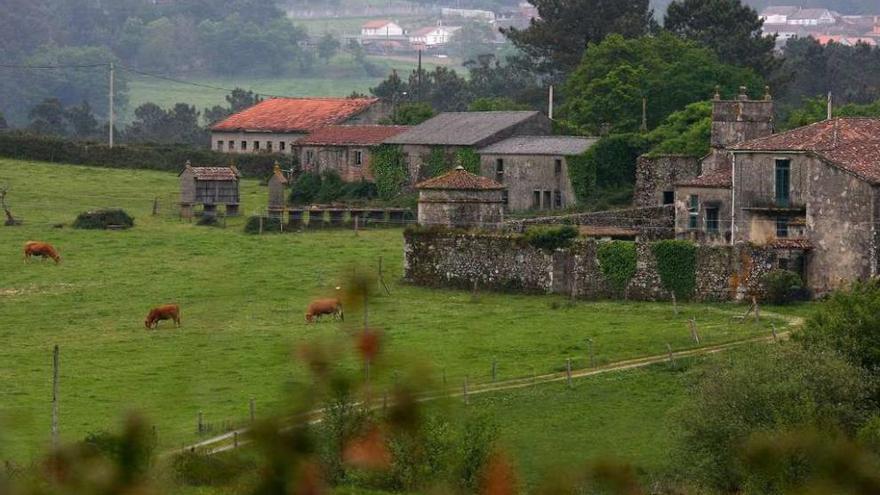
[169, 158]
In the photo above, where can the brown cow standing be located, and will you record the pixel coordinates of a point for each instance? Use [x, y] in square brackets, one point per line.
[40, 249]
[320, 307]
[166, 312]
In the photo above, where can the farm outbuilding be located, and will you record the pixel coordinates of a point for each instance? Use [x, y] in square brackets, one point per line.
[209, 186]
[461, 199]
[277, 192]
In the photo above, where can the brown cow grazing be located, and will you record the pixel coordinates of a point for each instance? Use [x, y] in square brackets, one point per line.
[41, 249]
[166, 312]
[321, 307]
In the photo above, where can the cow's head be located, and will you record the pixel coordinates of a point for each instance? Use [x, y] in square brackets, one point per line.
[148, 323]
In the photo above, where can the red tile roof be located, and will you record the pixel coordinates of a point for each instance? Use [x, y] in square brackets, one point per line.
[215, 173]
[376, 24]
[460, 179]
[352, 135]
[294, 114]
[852, 144]
[720, 178]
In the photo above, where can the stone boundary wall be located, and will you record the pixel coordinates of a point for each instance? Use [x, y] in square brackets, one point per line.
[507, 263]
[655, 222]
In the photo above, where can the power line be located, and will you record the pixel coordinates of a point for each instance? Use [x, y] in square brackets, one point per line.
[195, 84]
[51, 67]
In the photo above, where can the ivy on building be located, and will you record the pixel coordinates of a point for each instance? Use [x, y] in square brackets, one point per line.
[617, 259]
[389, 171]
[676, 264]
[468, 159]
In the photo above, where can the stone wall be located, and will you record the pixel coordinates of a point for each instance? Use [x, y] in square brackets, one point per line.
[656, 176]
[656, 222]
[507, 262]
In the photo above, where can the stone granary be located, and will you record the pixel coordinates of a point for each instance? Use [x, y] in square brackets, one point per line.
[453, 132]
[534, 169]
[344, 149]
[273, 125]
[461, 199]
[209, 186]
[277, 192]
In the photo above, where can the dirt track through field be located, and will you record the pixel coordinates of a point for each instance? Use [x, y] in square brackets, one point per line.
[228, 441]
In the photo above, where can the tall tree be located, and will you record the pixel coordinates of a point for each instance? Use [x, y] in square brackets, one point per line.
[555, 42]
[81, 121]
[617, 74]
[327, 47]
[48, 118]
[732, 30]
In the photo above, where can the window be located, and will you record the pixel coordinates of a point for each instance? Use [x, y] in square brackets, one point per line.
[783, 182]
[536, 200]
[712, 220]
[668, 197]
[557, 166]
[557, 199]
[547, 197]
[499, 170]
[282, 146]
[693, 212]
[505, 198]
[358, 157]
[243, 145]
[220, 145]
[269, 146]
[256, 145]
[231, 145]
[781, 227]
[310, 157]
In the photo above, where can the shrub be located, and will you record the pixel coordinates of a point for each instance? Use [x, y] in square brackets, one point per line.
[270, 224]
[782, 286]
[389, 171]
[103, 219]
[617, 259]
[551, 238]
[676, 263]
[305, 188]
[208, 221]
[197, 469]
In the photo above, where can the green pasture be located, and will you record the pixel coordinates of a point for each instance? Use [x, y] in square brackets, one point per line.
[242, 300]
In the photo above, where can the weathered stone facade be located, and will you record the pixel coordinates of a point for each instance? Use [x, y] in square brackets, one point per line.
[656, 177]
[506, 262]
[656, 222]
[707, 221]
[352, 163]
[460, 199]
[533, 182]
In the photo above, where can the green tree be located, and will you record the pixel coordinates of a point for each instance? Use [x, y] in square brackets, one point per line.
[608, 165]
[732, 30]
[555, 42]
[48, 118]
[615, 75]
[685, 132]
[81, 121]
[816, 109]
[764, 389]
[495, 105]
[849, 323]
[410, 114]
[327, 47]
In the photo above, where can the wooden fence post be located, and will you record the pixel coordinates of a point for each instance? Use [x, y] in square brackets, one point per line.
[692, 323]
[568, 371]
[592, 357]
[757, 309]
[155, 206]
[235, 439]
[674, 303]
[773, 331]
[55, 363]
[671, 358]
[356, 218]
[466, 399]
[494, 370]
[201, 423]
[252, 409]
[261, 223]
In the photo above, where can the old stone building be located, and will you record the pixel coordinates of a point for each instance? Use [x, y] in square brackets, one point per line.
[461, 199]
[656, 177]
[534, 169]
[347, 150]
[209, 187]
[453, 132]
[812, 194]
[272, 126]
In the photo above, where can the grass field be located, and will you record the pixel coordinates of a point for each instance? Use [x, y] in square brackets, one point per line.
[242, 301]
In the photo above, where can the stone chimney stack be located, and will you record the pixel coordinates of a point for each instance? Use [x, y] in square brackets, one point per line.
[742, 119]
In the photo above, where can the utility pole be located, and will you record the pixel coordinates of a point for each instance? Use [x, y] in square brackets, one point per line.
[55, 363]
[420, 75]
[550, 106]
[830, 107]
[112, 77]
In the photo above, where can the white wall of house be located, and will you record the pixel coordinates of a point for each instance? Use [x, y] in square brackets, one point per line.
[390, 29]
[253, 142]
[437, 36]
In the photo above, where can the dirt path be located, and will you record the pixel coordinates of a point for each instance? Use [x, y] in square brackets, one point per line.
[231, 440]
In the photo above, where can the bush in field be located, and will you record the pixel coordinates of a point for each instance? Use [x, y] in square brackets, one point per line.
[551, 238]
[305, 188]
[104, 219]
[270, 224]
[782, 286]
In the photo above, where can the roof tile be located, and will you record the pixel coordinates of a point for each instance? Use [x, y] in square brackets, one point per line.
[352, 135]
[294, 114]
[460, 179]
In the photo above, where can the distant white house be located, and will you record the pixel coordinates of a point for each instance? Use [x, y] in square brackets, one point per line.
[381, 28]
[778, 14]
[485, 15]
[812, 17]
[433, 36]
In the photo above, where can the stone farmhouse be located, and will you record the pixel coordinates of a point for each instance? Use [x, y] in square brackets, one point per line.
[451, 132]
[534, 169]
[461, 199]
[345, 149]
[272, 126]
